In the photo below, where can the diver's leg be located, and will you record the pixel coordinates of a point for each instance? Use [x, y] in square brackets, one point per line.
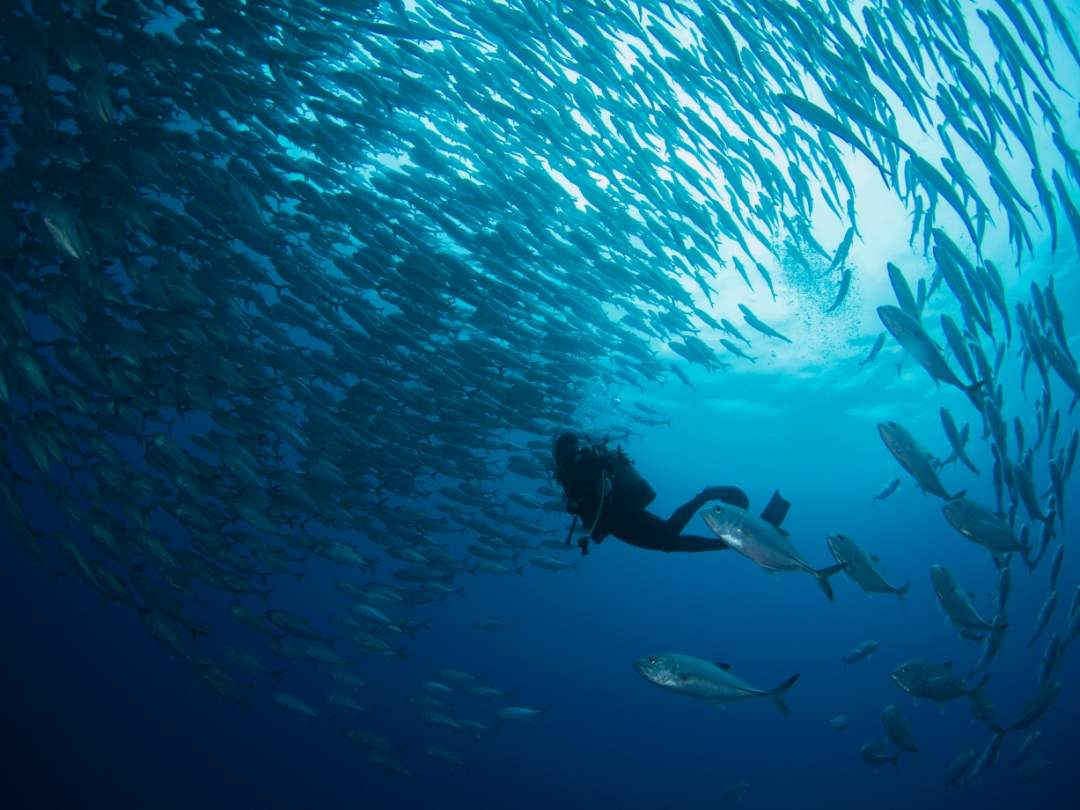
[645, 530]
[691, 542]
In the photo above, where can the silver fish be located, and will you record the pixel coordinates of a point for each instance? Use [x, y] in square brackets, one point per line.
[898, 728]
[913, 458]
[980, 525]
[763, 541]
[862, 567]
[860, 651]
[956, 603]
[713, 683]
[910, 334]
[933, 681]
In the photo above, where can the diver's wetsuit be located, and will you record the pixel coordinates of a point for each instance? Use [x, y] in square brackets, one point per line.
[631, 523]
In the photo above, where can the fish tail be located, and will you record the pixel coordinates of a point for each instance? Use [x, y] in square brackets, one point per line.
[823, 574]
[901, 592]
[777, 695]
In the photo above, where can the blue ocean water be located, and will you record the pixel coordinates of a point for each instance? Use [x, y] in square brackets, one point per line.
[99, 713]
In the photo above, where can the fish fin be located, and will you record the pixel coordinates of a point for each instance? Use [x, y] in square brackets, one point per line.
[958, 495]
[875, 558]
[776, 510]
[948, 665]
[823, 574]
[777, 695]
[723, 666]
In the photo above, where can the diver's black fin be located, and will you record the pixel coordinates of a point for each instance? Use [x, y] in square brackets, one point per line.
[776, 510]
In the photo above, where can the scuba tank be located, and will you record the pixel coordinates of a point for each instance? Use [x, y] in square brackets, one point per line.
[627, 485]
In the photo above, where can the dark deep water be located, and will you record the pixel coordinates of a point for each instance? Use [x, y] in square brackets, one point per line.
[100, 714]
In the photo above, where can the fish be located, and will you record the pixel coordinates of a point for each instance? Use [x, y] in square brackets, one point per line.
[903, 292]
[842, 290]
[734, 792]
[518, 713]
[982, 526]
[956, 439]
[762, 539]
[703, 680]
[732, 330]
[873, 753]
[957, 346]
[484, 691]
[839, 723]
[1003, 589]
[959, 769]
[1072, 629]
[860, 651]
[991, 643]
[862, 567]
[898, 728]
[1026, 747]
[551, 564]
[937, 682]
[346, 702]
[1046, 612]
[986, 759]
[754, 322]
[957, 604]
[916, 460]
[735, 350]
[1034, 708]
[294, 704]
[887, 490]
[443, 755]
[875, 350]
[910, 334]
[1055, 567]
[1051, 659]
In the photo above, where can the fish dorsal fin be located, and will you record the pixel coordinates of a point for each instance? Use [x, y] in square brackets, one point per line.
[723, 666]
[776, 510]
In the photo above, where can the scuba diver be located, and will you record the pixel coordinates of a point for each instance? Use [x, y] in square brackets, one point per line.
[609, 496]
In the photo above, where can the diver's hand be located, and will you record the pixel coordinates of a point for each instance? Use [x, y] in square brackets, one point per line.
[729, 495]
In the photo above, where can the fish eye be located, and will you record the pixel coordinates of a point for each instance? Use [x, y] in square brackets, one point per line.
[652, 659]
